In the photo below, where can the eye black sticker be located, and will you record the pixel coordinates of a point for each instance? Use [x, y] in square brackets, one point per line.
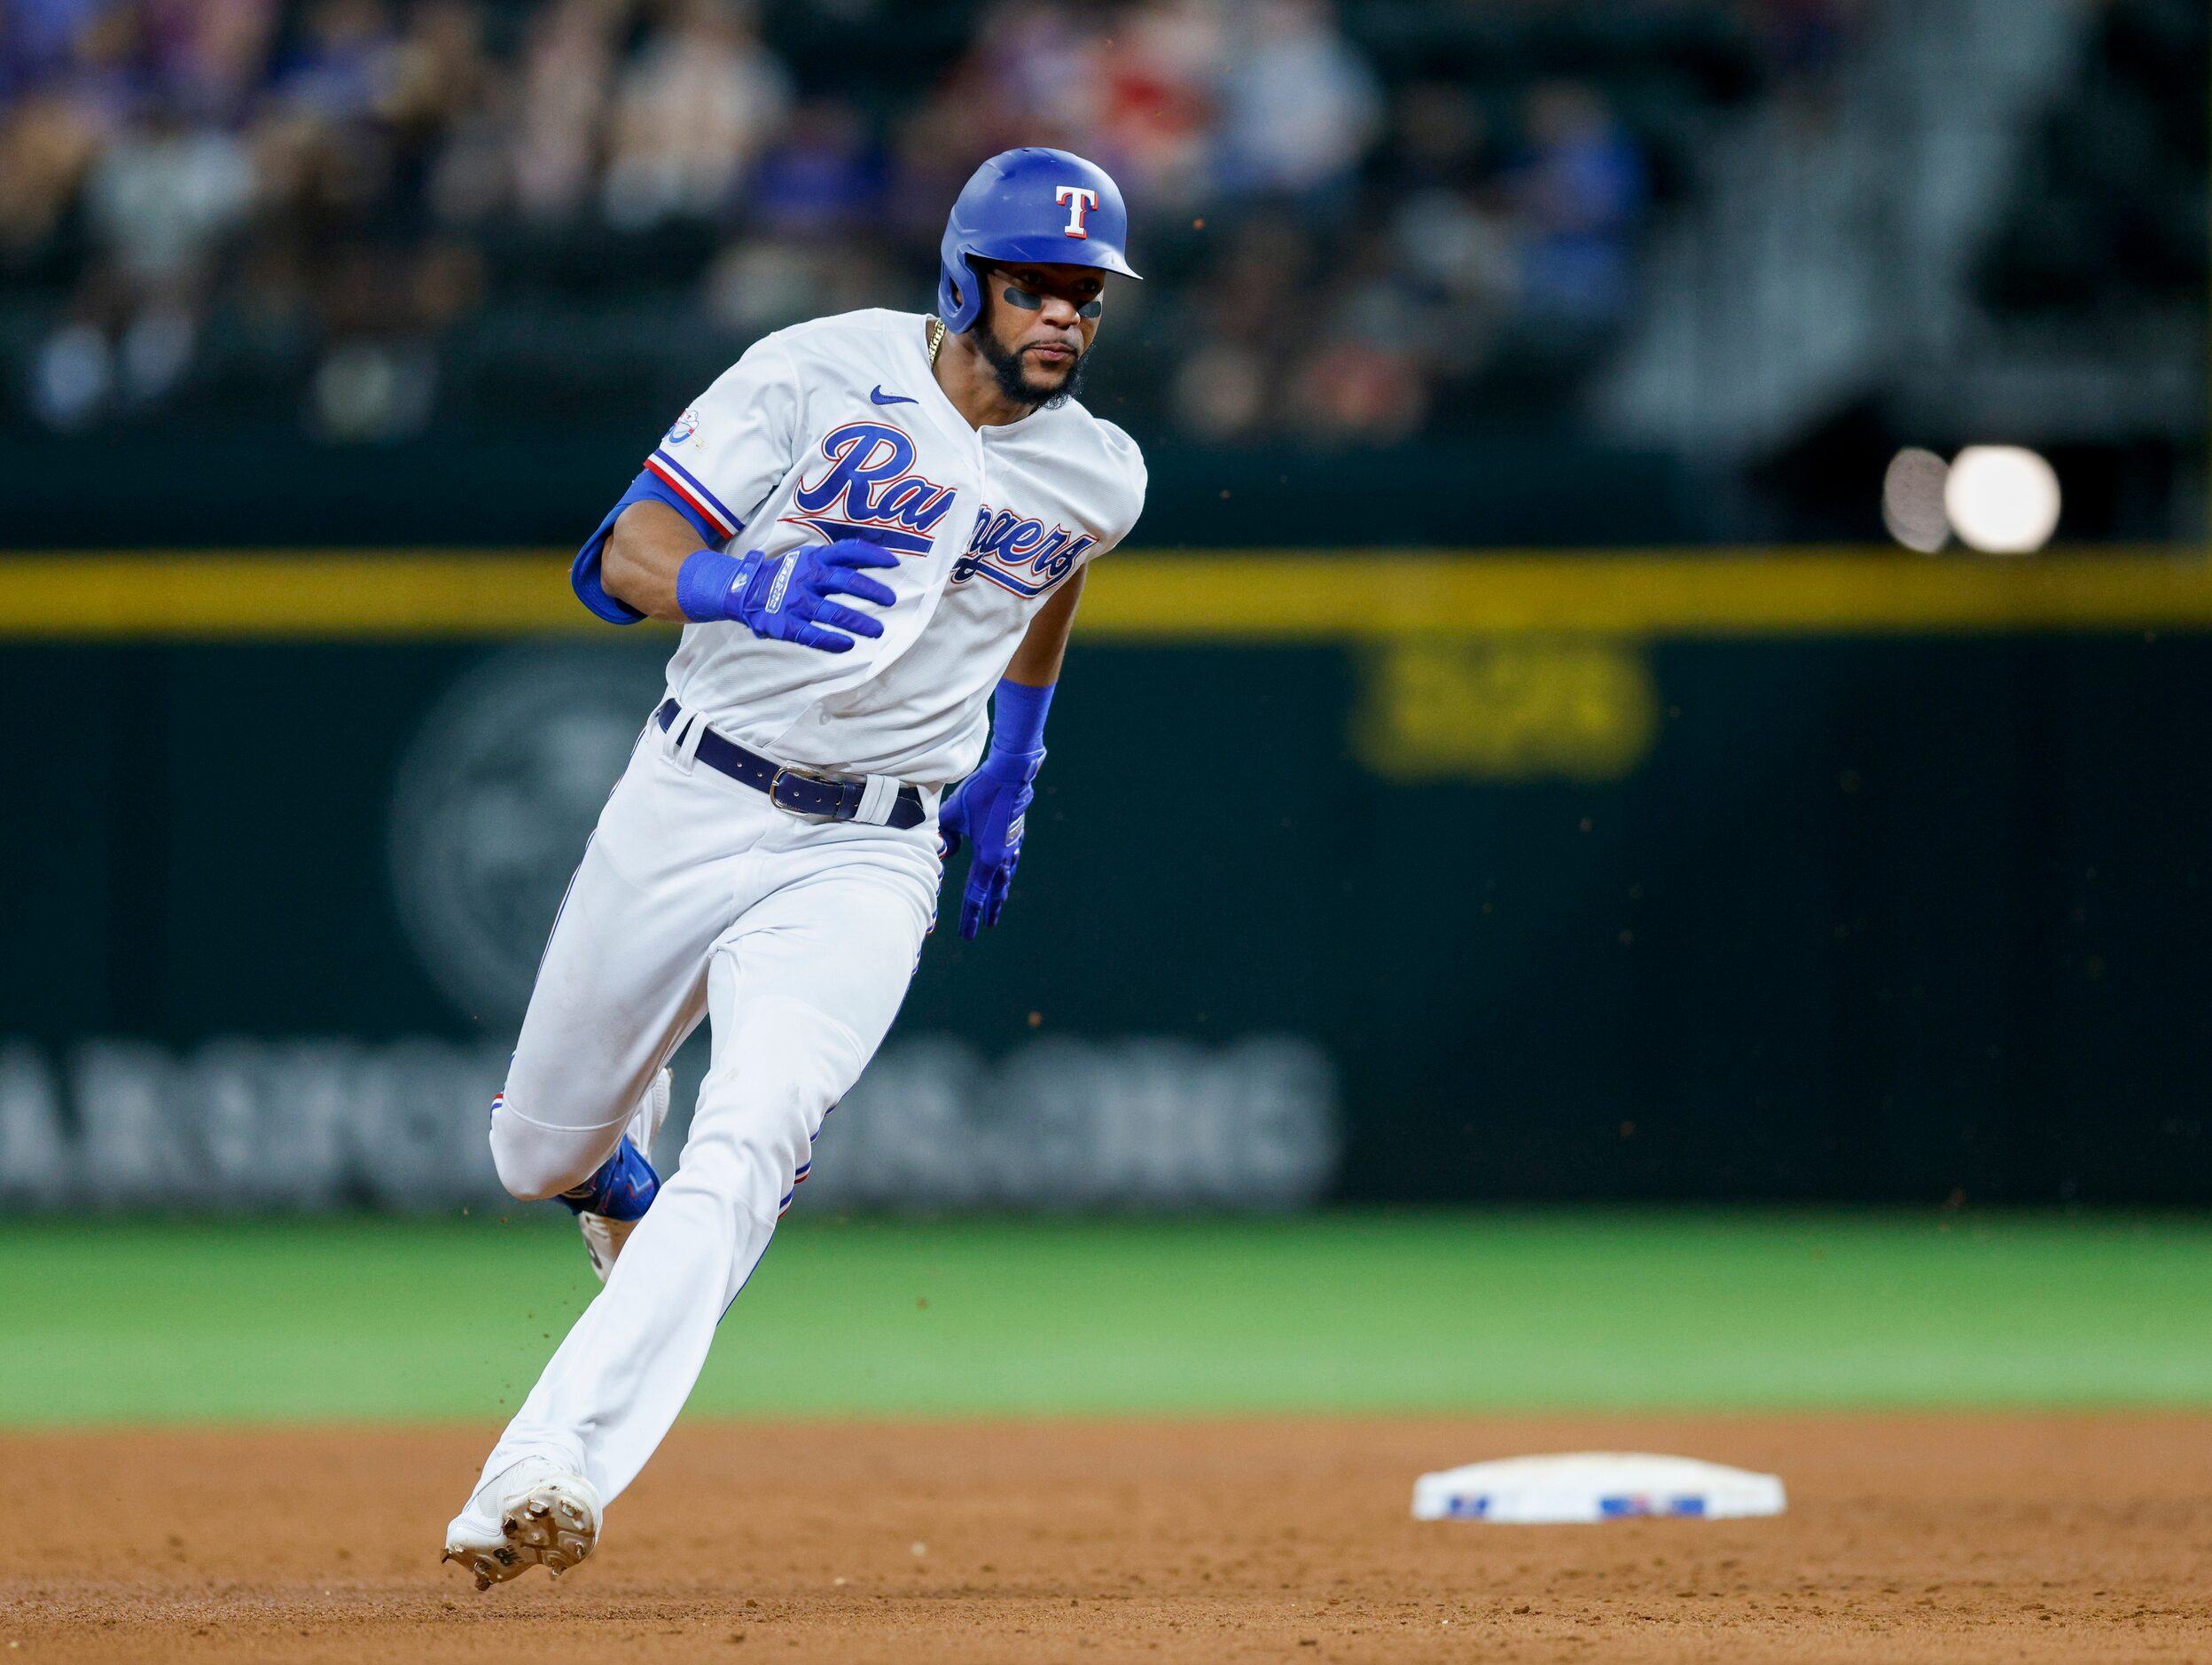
[1029, 302]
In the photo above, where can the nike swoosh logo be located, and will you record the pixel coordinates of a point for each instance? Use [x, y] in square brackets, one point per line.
[881, 397]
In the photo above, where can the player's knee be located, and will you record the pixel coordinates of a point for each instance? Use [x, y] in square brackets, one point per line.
[759, 1115]
[532, 1176]
[789, 1059]
[756, 1117]
[534, 1163]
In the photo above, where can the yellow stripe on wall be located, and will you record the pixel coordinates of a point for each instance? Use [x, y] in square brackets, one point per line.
[293, 596]
[1257, 597]
[1248, 597]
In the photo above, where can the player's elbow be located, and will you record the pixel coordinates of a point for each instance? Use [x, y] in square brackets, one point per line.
[645, 549]
[625, 568]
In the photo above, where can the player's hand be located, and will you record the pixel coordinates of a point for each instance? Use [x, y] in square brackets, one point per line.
[988, 809]
[788, 596]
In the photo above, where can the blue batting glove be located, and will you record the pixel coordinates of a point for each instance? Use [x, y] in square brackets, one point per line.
[788, 596]
[989, 807]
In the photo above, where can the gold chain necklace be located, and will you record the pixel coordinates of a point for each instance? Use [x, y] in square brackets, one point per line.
[936, 339]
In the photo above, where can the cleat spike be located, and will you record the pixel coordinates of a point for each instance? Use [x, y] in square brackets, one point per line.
[545, 1516]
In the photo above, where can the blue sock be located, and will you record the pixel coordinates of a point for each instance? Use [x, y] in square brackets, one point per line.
[624, 1188]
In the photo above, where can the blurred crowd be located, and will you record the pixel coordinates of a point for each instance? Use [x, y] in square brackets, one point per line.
[368, 214]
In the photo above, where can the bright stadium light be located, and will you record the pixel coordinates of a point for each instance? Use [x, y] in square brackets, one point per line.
[1912, 500]
[2002, 499]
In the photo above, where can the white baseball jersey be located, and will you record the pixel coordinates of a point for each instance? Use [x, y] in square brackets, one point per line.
[837, 428]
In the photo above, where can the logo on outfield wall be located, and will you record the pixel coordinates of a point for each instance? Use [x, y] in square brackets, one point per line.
[1507, 708]
[492, 805]
[1128, 1122]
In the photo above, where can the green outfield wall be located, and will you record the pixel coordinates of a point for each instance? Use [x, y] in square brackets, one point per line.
[1837, 876]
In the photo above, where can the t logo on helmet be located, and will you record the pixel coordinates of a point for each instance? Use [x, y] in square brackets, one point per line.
[1080, 200]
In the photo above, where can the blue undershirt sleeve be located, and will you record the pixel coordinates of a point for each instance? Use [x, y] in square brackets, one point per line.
[1017, 717]
[584, 575]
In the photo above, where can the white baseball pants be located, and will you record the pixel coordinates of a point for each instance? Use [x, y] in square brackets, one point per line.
[796, 937]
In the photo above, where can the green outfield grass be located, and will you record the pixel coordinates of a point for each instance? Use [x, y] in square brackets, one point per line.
[1349, 1312]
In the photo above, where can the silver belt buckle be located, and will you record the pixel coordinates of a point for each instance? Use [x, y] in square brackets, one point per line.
[777, 779]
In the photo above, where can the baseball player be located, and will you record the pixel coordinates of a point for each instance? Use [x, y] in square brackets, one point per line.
[874, 529]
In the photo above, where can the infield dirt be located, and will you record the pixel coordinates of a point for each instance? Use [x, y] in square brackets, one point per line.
[2057, 1537]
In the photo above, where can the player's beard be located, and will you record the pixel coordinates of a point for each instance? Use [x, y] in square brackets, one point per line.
[1017, 388]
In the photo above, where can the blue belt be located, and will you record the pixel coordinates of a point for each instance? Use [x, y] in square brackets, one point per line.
[800, 790]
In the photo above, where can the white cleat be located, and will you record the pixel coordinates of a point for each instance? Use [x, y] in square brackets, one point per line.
[534, 1513]
[603, 1238]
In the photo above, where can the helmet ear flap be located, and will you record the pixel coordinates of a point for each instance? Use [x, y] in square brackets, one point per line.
[959, 293]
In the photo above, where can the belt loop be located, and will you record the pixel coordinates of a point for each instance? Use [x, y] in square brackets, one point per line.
[877, 800]
[684, 739]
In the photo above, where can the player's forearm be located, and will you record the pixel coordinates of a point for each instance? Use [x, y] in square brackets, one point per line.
[1036, 662]
[643, 553]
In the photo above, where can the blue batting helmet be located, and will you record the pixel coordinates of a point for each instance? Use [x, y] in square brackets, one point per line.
[1042, 207]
